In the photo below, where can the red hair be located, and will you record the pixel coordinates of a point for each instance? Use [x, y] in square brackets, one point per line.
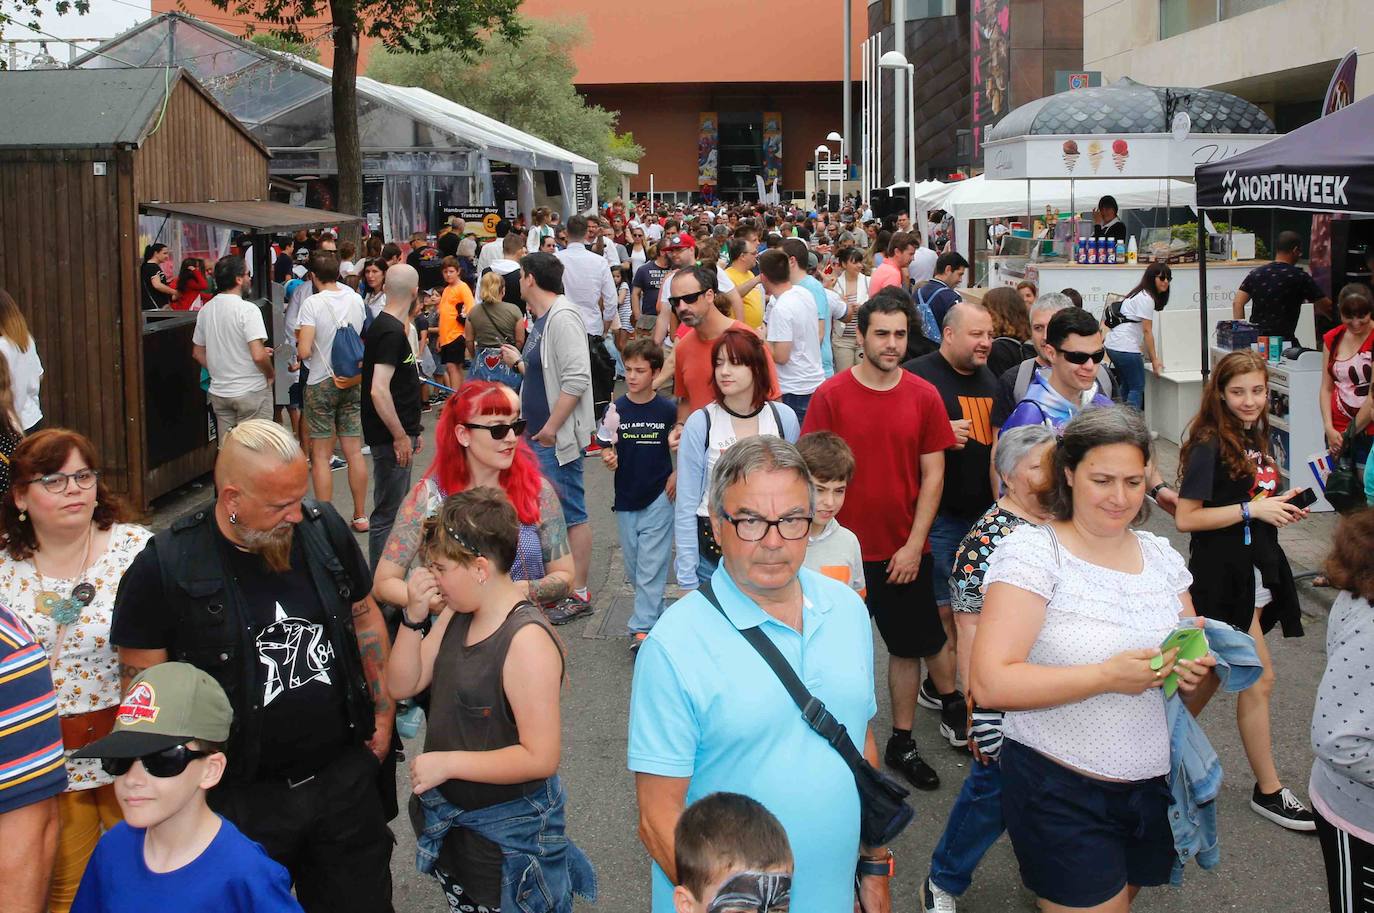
[743, 347]
[449, 470]
[42, 453]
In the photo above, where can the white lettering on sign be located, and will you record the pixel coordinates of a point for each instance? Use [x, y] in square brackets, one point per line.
[1324, 189]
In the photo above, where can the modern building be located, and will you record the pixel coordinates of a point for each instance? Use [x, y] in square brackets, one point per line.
[1278, 54]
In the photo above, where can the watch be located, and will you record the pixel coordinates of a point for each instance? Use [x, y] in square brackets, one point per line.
[881, 866]
[1154, 492]
[423, 627]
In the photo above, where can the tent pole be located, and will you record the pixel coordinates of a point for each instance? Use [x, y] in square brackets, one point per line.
[1202, 290]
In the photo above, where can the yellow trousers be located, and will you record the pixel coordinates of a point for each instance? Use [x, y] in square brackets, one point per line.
[84, 814]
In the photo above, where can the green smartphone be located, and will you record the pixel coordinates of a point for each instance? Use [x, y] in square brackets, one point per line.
[1191, 644]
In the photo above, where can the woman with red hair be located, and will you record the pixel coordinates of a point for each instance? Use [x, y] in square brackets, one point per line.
[480, 443]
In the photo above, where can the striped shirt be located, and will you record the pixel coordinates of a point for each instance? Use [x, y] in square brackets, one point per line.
[31, 762]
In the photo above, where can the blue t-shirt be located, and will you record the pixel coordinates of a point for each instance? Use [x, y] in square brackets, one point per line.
[823, 314]
[534, 402]
[233, 874]
[705, 706]
[641, 447]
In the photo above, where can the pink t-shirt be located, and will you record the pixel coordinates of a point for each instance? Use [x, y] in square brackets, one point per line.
[887, 273]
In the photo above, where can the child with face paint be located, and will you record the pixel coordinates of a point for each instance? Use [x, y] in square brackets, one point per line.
[732, 856]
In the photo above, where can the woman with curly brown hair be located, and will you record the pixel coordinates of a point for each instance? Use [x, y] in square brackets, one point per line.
[1011, 329]
[69, 544]
[1229, 500]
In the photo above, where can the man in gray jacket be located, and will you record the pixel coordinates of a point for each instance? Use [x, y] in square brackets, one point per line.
[556, 402]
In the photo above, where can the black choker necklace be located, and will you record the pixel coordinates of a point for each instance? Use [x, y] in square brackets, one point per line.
[740, 414]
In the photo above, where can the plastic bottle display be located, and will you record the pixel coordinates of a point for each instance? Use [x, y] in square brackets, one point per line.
[1132, 252]
[1120, 251]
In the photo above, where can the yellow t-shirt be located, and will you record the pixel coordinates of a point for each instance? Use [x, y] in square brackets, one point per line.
[753, 302]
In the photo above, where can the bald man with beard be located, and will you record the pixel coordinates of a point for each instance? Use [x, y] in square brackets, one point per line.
[269, 593]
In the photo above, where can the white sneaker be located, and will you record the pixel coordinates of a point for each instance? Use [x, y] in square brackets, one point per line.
[936, 901]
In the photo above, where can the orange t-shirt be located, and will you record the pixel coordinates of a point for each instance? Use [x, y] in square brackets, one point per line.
[693, 368]
[454, 305]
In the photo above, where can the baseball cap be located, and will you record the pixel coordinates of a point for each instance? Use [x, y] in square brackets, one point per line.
[681, 241]
[167, 705]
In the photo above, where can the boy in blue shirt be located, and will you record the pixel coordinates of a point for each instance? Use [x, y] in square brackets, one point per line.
[172, 852]
[643, 464]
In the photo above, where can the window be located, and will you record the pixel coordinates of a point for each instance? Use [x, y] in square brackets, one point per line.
[1179, 16]
[917, 9]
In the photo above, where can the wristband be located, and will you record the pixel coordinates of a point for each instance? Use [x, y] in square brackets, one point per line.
[879, 866]
[1245, 518]
[1154, 492]
[422, 627]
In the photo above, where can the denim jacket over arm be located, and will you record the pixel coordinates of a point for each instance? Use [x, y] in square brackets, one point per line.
[1194, 771]
[541, 868]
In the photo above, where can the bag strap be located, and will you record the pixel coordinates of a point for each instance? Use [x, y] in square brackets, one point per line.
[821, 720]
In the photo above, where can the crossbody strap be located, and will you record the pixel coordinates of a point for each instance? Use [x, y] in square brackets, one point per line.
[821, 720]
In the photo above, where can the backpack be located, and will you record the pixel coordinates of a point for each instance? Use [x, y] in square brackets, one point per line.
[1113, 316]
[346, 356]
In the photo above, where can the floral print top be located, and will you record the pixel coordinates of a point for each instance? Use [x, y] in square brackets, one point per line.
[87, 672]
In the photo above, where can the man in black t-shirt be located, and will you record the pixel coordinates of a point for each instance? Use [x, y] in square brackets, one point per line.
[1278, 291]
[270, 595]
[391, 404]
[959, 372]
[427, 261]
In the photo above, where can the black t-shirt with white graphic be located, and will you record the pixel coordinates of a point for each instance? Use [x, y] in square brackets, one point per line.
[299, 682]
[386, 344]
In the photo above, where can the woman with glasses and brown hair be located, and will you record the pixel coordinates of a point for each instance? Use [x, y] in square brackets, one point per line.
[69, 544]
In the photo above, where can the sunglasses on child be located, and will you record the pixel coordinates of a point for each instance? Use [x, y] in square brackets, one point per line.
[501, 429]
[1081, 358]
[169, 762]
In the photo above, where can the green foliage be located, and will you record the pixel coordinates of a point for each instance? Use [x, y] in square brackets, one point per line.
[274, 42]
[29, 14]
[529, 87]
[1187, 231]
[416, 26]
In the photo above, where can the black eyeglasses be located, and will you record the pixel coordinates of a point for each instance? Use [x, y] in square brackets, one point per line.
[501, 429]
[689, 298]
[754, 529]
[56, 482]
[169, 762]
[1081, 358]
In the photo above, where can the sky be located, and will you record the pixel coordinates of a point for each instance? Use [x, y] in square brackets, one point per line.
[106, 19]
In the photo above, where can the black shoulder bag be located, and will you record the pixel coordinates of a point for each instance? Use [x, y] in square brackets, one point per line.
[883, 812]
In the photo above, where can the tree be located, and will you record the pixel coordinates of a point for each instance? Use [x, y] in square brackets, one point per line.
[409, 26]
[274, 42]
[28, 13]
[529, 87]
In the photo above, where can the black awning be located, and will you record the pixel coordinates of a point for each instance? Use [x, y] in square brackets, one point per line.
[259, 216]
[1324, 166]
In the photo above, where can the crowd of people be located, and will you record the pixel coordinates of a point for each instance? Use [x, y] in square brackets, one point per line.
[818, 433]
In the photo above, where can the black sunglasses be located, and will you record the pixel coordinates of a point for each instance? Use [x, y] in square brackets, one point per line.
[1081, 358]
[689, 298]
[169, 762]
[501, 429]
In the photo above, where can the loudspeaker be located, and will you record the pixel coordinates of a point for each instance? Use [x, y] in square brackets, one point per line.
[878, 202]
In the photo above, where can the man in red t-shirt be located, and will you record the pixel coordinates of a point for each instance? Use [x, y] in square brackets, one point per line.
[692, 367]
[895, 423]
[901, 247]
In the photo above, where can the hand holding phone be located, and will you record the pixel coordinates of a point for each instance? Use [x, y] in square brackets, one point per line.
[1191, 644]
[1304, 498]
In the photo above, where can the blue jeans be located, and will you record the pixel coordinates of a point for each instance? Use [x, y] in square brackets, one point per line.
[646, 541]
[706, 566]
[975, 823]
[1131, 367]
[566, 480]
[799, 402]
[945, 535]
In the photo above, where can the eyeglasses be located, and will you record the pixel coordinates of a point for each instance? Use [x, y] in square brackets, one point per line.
[501, 429]
[56, 482]
[169, 762]
[689, 298]
[754, 529]
[1081, 358]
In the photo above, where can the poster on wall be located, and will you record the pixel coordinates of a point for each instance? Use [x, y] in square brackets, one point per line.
[991, 63]
[772, 145]
[1339, 93]
[708, 153]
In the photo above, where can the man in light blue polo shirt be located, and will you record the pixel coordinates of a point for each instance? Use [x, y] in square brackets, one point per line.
[707, 714]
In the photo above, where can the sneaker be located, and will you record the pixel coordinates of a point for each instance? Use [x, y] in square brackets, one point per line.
[1284, 809]
[427, 407]
[367, 451]
[567, 609]
[593, 447]
[954, 721]
[337, 463]
[637, 641]
[902, 756]
[927, 696]
[408, 721]
[935, 900]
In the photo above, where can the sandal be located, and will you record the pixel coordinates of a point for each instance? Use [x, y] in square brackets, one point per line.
[360, 525]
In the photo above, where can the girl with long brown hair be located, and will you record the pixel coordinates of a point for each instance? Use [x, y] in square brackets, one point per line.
[1230, 500]
[26, 370]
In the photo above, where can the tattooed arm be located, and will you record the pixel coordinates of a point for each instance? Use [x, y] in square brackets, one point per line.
[133, 663]
[389, 583]
[373, 646]
[553, 541]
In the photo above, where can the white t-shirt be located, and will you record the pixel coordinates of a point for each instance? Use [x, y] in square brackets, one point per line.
[922, 268]
[537, 235]
[326, 311]
[653, 231]
[721, 438]
[25, 373]
[225, 327]
[724, 285]
[1129, 337]
[793, 319]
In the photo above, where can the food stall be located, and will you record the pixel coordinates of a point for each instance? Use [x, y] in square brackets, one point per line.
[1091, 137]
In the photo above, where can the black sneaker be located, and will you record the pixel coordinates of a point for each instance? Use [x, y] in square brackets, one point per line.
[902, 756]
[934, 900]
[954, 721]
[567, 609]
[1284, 809]
[927, 696]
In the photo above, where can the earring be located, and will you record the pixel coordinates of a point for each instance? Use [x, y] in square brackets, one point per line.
[234, 519]
[23, 516]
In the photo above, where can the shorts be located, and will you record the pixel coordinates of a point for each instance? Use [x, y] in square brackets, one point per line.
[330, 411]
[907, 616]
[566, 481]
[1078, 840]
[945, 535]
[1262, 595]
[455, 353]
[295, 396]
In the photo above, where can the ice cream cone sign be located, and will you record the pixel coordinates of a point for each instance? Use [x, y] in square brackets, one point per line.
[1095, 155]
[1070, 155]
[1120, 152]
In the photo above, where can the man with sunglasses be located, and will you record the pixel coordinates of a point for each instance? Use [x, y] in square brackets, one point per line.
[1073, 351]
[171, 852]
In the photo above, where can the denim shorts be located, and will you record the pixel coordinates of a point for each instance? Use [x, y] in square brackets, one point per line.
[1078, 840]
[945, 535]
[566, 480]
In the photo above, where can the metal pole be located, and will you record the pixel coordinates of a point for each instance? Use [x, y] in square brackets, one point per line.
[1202, 291]
[848, 85]
[911, 144]
[863, 118]
[651, 191]
[899, 125]
[878, 105]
